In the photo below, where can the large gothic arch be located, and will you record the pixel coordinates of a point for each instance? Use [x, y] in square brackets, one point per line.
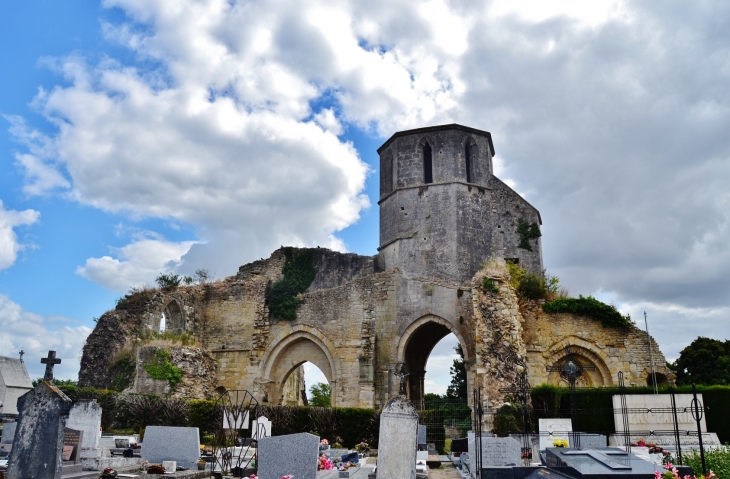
[588, 354]
[415, 345]
[299, 345]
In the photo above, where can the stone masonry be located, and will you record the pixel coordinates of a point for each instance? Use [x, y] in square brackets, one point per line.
[363, 319]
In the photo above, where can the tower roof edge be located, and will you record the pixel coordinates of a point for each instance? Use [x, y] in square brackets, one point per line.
[451, 126]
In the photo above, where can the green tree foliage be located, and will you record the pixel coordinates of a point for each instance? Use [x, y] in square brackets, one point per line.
[589, 306]
[704, 361]
[457, 388]
[319, 395]
[169, 282]
[298, 274]
[57, 382]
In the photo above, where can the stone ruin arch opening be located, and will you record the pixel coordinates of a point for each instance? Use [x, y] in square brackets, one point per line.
[291, 353]
[417, 343]
[173, 318]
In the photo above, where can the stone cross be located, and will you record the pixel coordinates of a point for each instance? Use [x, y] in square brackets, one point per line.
[21, 355]
[50, 361]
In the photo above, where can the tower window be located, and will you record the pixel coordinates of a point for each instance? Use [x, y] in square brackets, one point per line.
[467, 158]
[427, 164]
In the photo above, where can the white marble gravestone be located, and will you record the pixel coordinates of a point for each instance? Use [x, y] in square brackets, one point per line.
[398, 440]
[496, 451]
[165, 443]
[261, 427]
[85, 416]
[551, 429]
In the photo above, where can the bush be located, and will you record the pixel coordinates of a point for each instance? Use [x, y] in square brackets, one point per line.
[717, 461]
[608, 315]
[532, 286]
[488, 285]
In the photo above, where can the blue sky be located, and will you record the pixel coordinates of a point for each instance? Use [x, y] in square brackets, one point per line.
[139, 137]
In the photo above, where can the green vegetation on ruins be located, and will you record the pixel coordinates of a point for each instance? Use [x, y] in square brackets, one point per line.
[298, 274]
[163, 369]
[527, 232]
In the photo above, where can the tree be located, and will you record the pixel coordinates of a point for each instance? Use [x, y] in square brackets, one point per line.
[457, 388]
[705, 360]
[320, 395]
[168, 282]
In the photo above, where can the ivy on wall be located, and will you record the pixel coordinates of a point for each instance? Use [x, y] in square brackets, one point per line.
[122, 371]
[589, 306]
[527, 232]
[298, 274]
[163, 369]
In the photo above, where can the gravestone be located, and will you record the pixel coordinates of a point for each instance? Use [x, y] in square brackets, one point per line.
[294, 454]
[72, 438]
[496, 451]
[8, 433]
[589, 441]
[460, 445]
[397, 442]
[85, 416]
[38, 444]
[166, 443]
[261, 427]
[603, 463]
[422, 438]
[551, 429]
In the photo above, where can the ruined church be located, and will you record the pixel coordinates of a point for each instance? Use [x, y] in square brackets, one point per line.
[446, 223]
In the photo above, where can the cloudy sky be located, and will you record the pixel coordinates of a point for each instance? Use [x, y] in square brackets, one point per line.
[142, 136]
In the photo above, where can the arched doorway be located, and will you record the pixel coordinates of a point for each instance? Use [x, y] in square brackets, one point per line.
[289, 355]
[416, 345]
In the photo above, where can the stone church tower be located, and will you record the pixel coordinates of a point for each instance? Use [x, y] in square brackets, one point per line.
[442, 210]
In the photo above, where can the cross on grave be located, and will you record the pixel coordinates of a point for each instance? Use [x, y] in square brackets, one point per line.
[21, 353]
[50, 361]
[571, 369]
[602, 457]
[402, 376]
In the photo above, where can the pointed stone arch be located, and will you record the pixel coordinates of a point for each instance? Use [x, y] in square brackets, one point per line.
[299, 345]
[174, 317]
[415, 346]
[588, 353]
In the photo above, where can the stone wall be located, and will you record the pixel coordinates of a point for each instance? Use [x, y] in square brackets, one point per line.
[197, 365]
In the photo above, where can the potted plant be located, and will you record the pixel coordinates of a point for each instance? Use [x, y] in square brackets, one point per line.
[201, 464]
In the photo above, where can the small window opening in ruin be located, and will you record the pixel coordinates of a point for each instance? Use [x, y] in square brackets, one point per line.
[402, 208]
[467, 158]
[427, 164]
[512, 260]
[163, 324]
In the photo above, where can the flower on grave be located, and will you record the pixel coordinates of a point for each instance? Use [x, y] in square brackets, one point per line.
[108, 473]
[672, 473]
[156, 469]
[288, 476]
[324, 464]
[324, 442]
[362, 447]
[560, 443]
[252, 476]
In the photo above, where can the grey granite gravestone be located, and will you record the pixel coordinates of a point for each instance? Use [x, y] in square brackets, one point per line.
[8, 432]
[294, 454]
[397, 441]
[589, 441]
[85, 416]
[39, 436]
[496, 451]
[166, 443]
[422, 437]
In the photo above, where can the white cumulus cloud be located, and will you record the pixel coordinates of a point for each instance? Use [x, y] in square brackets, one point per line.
[9, 244]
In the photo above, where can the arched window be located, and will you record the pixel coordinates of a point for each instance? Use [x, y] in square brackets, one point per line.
[427, 164]
[467, 159]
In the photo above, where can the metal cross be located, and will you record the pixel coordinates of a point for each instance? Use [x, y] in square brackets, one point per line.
[50, 361]
[21, 355]
[402, 376]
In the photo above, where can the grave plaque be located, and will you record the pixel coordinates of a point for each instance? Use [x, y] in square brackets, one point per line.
[600, 463]
[496, 451]
[294, 454]
[551, 429]
[165, 443]
[421, 436]
[73, 438]
[8, 433]
[398, 440]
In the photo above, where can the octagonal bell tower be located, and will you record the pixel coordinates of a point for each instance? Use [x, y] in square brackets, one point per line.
[443, 212]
